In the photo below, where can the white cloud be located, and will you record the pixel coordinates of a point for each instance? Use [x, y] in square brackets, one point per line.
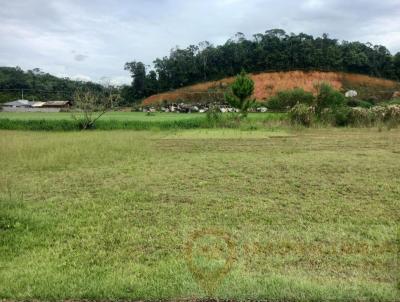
[81, 77]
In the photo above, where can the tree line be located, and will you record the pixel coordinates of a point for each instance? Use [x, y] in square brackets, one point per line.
[38, 86]
[275, 50]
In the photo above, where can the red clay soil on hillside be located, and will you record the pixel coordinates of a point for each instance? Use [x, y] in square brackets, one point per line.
[269, 83]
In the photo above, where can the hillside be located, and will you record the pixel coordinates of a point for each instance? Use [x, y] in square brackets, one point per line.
[269, 83]
[38, 85]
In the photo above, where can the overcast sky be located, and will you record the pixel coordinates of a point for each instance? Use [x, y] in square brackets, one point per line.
[93, 39]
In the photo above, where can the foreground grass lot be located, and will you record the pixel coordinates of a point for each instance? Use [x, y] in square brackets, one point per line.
[312, 215]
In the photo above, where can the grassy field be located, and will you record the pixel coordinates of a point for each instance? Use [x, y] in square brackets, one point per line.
[288, 216]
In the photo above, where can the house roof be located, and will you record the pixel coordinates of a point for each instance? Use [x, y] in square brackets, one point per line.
[57, 103]
[38, 104]
[19, 103]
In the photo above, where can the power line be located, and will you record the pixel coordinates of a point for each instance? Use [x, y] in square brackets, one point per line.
[32, 89]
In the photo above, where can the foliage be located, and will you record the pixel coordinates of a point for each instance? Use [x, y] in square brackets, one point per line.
[302, 114]
[133, 121]
[38, 124]
[359, 103]
[362, 117]
[242, 89]
[336, 116]
[341, 115]
[128, 97]
[391, 102]
[284, 100]
[143, 83]
[327, 97]
[90, 106]
[214, 116]
[274, 50]
[39, 86]
[392, 115]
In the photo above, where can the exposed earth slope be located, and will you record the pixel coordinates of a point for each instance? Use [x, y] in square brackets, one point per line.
[269, 83]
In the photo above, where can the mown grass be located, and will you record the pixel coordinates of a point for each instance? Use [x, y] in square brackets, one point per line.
[313, 215]
[122, 120]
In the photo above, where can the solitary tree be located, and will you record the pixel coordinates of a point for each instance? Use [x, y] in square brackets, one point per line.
[242, 89]
[90, 106]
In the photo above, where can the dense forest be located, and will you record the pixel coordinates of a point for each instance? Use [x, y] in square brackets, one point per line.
[36, 85]
[275, 50]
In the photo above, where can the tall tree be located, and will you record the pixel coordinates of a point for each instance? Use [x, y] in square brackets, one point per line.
[396, 63]
[138, 74]
[242, 89]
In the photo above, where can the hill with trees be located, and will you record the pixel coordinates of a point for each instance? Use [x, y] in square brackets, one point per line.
[275, 50]
[38, 86]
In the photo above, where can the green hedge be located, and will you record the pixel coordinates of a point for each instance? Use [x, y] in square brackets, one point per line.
[42, 125]
[71, 125]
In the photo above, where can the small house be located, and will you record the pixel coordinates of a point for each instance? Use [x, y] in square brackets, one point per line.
[38, 104]
[18, 104]
[57, 104]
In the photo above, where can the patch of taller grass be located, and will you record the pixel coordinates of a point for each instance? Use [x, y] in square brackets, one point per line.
[217, 120]
[39, 125]
[71, 125]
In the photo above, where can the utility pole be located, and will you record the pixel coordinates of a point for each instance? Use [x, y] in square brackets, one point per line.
[22, 94]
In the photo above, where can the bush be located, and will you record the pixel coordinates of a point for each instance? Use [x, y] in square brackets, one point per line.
[359, 103]
[328, 97]
[287, 99]
[391, 102]
[214, 116]
[378, 114]
[337, 116]
[341, 115]
[392, 115]
[301, 114]
[361, 117]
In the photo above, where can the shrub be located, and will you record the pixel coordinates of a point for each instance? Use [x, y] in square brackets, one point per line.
[287, 99]
[342, 115]
[91, 106]
[328, 97]
[336, 116]
[301, 114]
[214, 116]
[378, 114]
[391, 102]
[392, 115]
[361, 117]
[359, 103]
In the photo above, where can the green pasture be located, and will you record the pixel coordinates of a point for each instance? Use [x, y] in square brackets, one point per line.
[295, 215]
